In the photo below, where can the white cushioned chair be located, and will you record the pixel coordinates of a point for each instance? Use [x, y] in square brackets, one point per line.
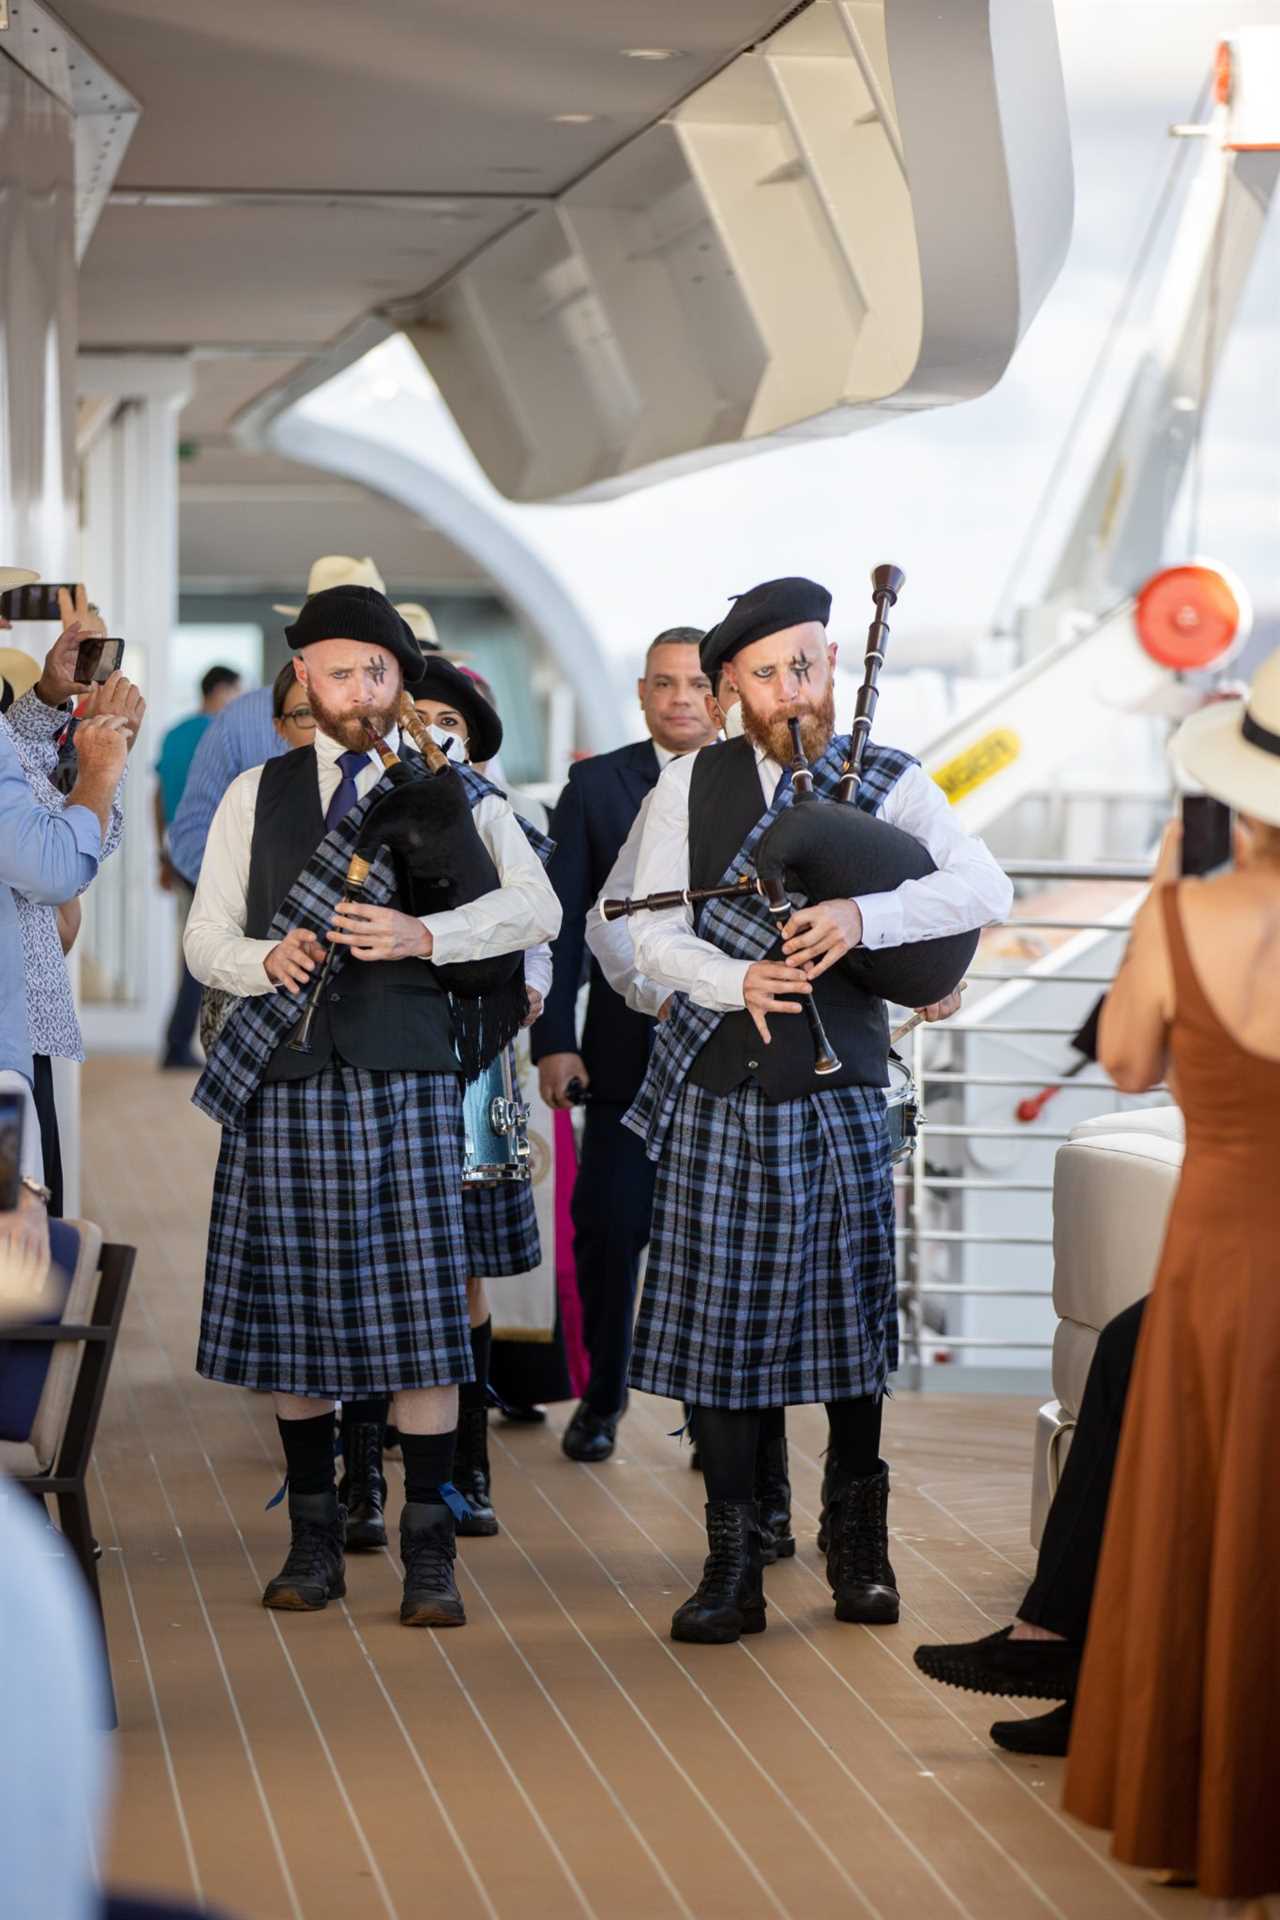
[1113, 1185]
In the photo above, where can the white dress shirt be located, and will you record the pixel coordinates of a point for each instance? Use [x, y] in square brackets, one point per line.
[611, 942]
[969, 890]
[522, 912]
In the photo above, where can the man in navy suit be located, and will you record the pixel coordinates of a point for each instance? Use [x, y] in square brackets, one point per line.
[613, 1194]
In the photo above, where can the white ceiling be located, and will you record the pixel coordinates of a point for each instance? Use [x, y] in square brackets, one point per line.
[267, 119]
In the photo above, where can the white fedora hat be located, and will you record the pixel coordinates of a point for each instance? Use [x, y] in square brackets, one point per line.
[338, 570]
[16, 577]
[419, 623]
[1232, 748]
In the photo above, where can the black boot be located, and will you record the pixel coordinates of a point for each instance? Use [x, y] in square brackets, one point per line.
[431, 1597]
[858, 1569]
[471, 1472]
[830, 1473]
[773, 1501]
[730, 1597]
[312, 1575]
[362, 1489]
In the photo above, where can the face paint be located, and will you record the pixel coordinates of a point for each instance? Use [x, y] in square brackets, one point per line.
[377, 669]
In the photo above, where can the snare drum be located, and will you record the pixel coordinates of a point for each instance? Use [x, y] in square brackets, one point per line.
[902, 1113]
[496, 1122]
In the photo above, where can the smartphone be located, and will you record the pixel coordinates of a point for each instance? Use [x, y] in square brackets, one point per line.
[36, 602]
[97, 660]
[1206, 833]
[12, 1115]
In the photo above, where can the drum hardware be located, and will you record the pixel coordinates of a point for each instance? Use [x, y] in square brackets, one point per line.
[495, 1126]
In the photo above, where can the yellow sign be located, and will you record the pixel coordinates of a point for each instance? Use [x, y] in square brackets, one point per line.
[978, 763]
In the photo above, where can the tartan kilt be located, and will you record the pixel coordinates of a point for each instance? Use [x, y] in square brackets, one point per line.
[771, 1275]
[337, 1262]
[501, 1225]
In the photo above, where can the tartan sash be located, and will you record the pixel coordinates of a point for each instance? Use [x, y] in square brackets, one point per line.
[742, 928]
[258, 1023]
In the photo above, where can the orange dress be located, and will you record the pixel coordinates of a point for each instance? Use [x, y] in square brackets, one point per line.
[1176, 1738]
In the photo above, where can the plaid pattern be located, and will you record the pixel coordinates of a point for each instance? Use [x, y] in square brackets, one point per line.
[502, 1229]
[337, 1260]
[741, 926]
[771, 1262]
[255, 1026]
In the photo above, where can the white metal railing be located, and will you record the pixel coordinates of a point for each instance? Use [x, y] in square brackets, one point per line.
[951, 1212]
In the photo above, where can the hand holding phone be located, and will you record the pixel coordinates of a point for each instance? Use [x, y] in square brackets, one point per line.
[96, 661]
[38, 601]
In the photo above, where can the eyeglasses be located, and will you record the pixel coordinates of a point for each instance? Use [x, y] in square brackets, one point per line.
[300, 717]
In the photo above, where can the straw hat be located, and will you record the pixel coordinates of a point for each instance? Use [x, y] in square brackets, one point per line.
[19, 669]
[1232, 748]
[338, 570]
[419, 623]
[16, 577]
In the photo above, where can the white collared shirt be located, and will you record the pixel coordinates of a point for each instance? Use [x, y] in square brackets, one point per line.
[612, 942]
[969, 889]
[522, 912]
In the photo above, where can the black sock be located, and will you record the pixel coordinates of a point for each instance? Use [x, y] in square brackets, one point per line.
[855, 1433]
[475, 1393]
[428, 1464]
[773, 1424]
[366, 1413]
[727, 1445]
[308, 1453]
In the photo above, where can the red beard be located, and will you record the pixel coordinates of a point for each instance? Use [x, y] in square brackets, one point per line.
[817, 729]
[356, 732]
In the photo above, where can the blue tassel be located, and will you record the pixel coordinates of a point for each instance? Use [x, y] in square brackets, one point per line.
[278, 1497]
[682, 1430]
[457, 1503]
[494, 1398]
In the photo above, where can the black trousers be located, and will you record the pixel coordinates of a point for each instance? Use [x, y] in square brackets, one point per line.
[50, 1143]
[185, 1017]
[612, 1205]
[1062, 1592]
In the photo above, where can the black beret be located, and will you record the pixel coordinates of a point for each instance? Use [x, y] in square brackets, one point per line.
[442, 681]
[357, 613]
[769, 608]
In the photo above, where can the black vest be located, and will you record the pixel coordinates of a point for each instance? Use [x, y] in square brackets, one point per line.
[389, 1015]
[725, 802]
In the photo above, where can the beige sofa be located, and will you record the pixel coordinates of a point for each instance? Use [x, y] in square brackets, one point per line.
[1113, 1184]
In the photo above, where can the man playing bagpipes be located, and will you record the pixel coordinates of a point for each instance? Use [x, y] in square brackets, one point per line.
[771, 1267]
[337, 1264]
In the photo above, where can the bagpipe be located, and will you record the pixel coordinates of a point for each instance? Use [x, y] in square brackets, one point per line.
[826, 849]
[424, 822]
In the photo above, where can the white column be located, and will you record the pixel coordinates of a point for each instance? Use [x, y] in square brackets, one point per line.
[129, 558]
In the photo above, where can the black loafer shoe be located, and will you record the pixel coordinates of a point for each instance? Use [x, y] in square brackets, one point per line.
[590, 1437]
[1048, 1733]
[1013, 1669]
[523, 1416]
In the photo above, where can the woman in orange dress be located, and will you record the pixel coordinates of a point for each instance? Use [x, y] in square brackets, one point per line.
[1176, 1741]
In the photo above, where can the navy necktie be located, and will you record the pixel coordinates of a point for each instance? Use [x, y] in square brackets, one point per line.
[346, 796]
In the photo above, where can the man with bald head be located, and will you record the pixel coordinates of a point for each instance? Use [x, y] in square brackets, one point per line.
[771, 1262]
[337, 1264]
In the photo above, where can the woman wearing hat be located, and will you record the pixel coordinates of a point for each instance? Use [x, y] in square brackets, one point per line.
[1178, 1714]
[502, 1223]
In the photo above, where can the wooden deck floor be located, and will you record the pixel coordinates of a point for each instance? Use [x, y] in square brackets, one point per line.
[559, 1756]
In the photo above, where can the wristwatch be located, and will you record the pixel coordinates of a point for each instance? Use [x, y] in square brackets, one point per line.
[34, 1186]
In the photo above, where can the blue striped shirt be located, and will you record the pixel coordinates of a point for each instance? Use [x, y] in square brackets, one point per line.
[242, 736]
